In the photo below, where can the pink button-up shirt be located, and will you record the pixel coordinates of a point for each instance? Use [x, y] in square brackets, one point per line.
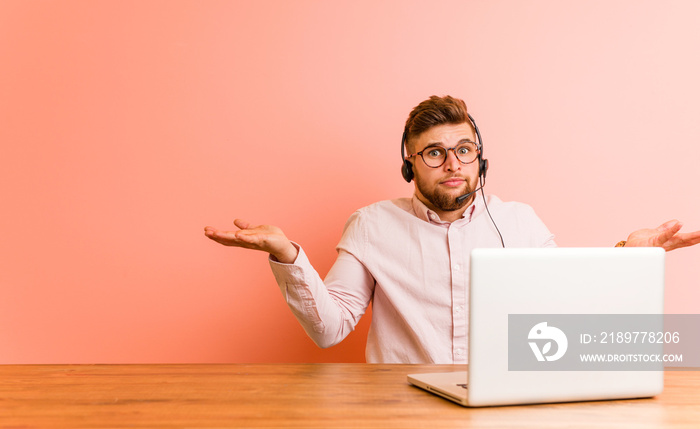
[414, 268]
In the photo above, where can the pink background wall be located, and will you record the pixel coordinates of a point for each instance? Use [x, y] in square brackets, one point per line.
[127, 126]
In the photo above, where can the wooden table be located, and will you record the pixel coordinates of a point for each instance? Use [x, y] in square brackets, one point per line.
[296, 396]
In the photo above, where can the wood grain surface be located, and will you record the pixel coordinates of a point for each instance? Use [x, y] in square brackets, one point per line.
[297, 396]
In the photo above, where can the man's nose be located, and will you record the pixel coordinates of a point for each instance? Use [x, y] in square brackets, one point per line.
[451, 162]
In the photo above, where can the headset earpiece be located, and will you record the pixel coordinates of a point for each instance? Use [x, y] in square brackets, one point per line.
[407, 171]
[483, 162]
[406, 166]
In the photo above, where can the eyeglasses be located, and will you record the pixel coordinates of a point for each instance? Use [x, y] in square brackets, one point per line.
[435, 156]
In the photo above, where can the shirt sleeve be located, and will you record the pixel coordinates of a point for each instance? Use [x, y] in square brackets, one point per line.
[327, 310]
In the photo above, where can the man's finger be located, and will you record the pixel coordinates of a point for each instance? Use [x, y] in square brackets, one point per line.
[670, 225]
[241, 223]
[224, 235]
[683, 240]
[666, 232]
[211, 232]
[247, 236]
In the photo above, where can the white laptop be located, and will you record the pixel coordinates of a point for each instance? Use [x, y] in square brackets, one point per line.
[564, 288]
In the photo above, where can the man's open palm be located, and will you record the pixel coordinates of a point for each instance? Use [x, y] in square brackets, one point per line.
[266, 238]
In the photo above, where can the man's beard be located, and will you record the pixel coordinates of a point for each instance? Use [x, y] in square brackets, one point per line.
[441, 200]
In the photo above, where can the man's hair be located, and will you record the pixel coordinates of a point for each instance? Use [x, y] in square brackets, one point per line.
[435, 111]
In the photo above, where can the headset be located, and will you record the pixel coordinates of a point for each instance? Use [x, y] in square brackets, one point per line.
[407, 170]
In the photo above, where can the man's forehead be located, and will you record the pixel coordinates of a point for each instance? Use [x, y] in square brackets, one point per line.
[446, 134]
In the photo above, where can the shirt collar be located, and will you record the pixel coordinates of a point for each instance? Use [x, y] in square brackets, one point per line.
[424, 213]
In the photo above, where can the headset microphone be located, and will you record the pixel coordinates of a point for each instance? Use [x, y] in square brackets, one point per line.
[461, 198]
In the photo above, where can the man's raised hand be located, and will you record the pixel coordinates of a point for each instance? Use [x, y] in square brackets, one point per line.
[266, 238]
[666, 236]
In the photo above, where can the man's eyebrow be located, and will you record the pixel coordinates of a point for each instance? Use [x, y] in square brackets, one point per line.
[441, 144]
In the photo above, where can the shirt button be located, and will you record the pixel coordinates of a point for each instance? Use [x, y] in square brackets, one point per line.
[458, 267]
[459, 308]
[459, 352]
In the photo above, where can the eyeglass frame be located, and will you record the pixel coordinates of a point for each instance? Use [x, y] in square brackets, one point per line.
[447, 150]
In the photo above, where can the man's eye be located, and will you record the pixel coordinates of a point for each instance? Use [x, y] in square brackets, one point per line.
[435, 153]
[465, 149]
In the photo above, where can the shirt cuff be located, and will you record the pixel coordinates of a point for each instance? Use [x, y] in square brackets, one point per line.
[275, 260]
[290, 273]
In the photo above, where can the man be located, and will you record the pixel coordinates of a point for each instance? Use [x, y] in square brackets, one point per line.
[408, 256]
